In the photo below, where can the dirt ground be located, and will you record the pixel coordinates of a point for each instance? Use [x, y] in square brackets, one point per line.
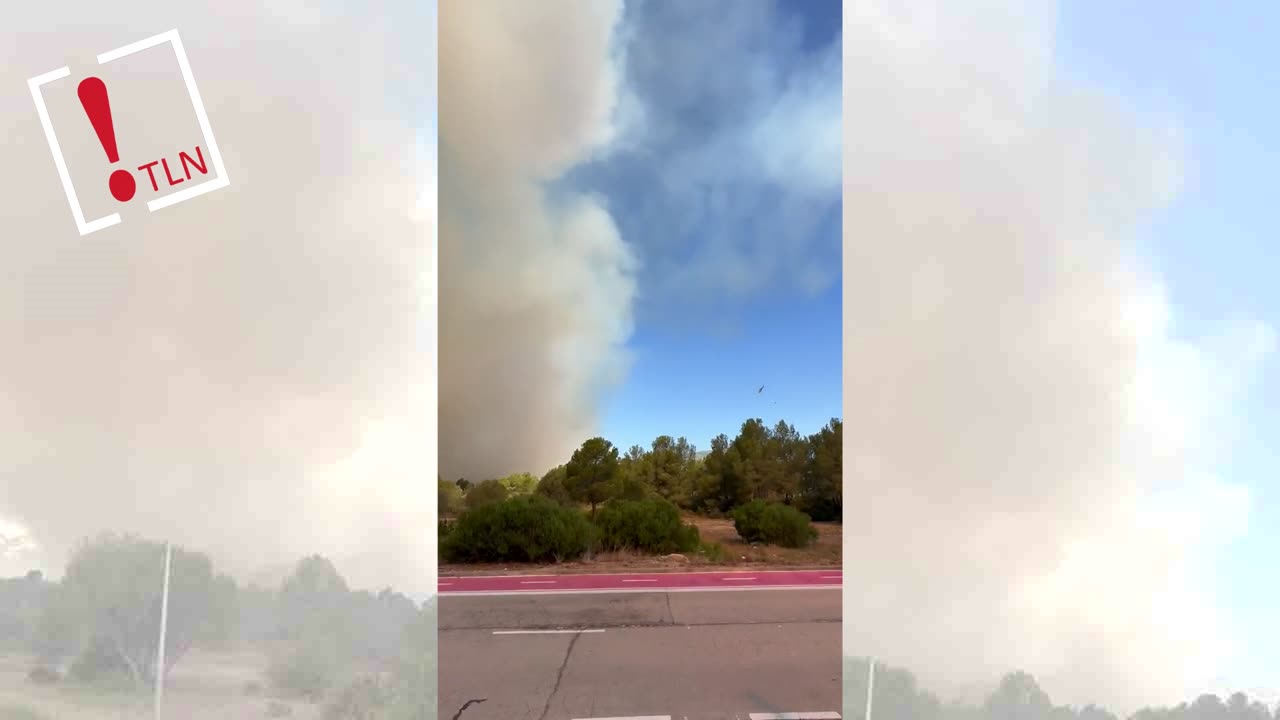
[825, 553]
[202, 686]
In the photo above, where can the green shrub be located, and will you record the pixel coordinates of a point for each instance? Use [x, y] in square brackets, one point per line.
[824, 509]
[712, 551]
[773, 524]
[529, 528]
[651, 525]
[484, 493]
[551, 486]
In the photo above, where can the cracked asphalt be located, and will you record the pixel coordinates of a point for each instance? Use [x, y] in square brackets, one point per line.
[700, 655]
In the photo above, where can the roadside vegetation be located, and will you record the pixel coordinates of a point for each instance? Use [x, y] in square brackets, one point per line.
[897, 696]
[772, 483]
[310, 647]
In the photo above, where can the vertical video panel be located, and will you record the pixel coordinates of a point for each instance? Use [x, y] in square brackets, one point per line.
[1058, 325]
[216, 390]
[640, 431]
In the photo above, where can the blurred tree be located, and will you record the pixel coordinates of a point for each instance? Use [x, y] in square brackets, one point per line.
[111, 594]
[519, 483]
[450, 497]
[1018, 697]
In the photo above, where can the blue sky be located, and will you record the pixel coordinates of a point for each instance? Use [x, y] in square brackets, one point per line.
[739, 281]
[1212, 69]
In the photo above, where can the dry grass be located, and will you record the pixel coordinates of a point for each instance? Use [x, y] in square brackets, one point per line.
[825, 553]
[203, 686]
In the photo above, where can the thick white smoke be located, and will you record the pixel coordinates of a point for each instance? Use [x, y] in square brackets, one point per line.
[1029, 441]
[535, 289]
[245, 373]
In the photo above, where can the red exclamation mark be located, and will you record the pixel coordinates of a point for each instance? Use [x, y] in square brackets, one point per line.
[93, 96]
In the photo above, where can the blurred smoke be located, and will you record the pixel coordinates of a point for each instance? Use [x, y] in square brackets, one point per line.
[1029, 443]
[243, 373]
[536, 288]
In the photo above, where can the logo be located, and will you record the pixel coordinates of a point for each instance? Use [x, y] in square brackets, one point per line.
[183, 173]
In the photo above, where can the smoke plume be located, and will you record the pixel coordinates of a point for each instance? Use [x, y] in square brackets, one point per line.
[242, 373]
[536, 287]
[1030, 443]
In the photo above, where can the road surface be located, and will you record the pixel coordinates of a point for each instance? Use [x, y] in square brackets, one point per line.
[640, 582]
[690, 652]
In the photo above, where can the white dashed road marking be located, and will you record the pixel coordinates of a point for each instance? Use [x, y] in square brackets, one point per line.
[537, 582]
[728, 579]
[639, 580]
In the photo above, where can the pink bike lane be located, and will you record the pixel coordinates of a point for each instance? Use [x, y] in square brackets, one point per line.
[640, 582]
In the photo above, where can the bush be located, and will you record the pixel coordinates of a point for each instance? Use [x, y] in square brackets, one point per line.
[99, 664]
[773, 524]
[521, 529]
[824, 509]
[552, 487]
[306, 670]
[652, 525]
[712, 551]
[365, 698]
[489, 491]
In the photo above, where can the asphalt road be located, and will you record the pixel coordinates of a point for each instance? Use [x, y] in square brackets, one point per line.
[767, 654]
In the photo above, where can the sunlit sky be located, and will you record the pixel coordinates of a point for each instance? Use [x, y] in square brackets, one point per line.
[740, 279]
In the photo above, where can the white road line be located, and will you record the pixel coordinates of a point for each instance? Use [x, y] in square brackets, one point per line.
[545, 632]
[640, 580]
[731, 579]
[796, 716]
[830, 577]
[537, 582]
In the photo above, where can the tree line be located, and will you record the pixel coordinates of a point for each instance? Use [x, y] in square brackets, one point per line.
[325, 641]
[897, 696]
[772, 464]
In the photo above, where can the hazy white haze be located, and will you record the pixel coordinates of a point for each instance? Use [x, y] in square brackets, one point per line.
[1031, 442]
[246, 373]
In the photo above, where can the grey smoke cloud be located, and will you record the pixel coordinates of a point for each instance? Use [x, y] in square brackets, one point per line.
[1029, 443]
[536, 288]
[242, 373]
[597, 163]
